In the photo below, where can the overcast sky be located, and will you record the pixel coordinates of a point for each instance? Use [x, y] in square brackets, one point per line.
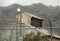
[29, 2]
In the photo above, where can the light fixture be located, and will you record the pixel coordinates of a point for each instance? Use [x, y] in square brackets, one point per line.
[18, 9]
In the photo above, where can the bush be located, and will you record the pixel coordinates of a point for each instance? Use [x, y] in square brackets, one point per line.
[38, 37]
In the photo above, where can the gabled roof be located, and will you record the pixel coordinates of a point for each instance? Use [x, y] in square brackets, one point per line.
[31, 15]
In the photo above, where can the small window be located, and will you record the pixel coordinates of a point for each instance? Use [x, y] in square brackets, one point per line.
[36, 22]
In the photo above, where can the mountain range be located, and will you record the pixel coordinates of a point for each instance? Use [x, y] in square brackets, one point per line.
[47, 12]
[52, 13]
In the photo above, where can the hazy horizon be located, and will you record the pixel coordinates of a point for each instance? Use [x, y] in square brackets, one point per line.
[29, 2]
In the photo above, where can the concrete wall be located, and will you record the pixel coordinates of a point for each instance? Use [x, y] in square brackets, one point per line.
[26, 19]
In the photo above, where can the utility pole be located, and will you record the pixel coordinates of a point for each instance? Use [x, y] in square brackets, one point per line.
[50, 29]
[0, 36]
[11, 35]
[19, 23]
